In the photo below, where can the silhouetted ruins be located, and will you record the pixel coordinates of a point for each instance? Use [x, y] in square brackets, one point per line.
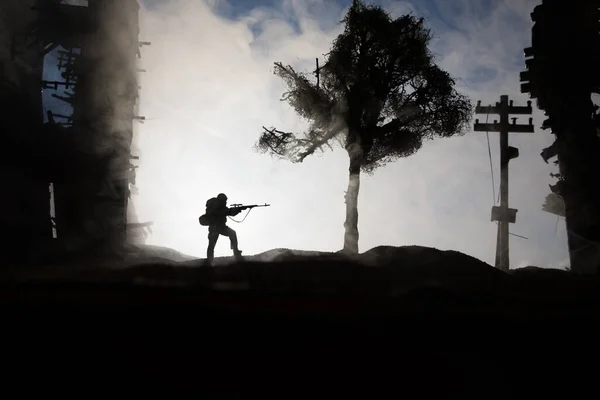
[562, 73]
[84, 158]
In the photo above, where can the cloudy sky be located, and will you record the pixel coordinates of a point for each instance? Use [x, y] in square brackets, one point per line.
[209, 87]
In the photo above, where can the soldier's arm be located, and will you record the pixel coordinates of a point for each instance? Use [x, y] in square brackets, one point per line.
[233, 211]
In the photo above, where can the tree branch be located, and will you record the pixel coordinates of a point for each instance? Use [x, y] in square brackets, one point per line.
[275, 141]
[286, 145]
[397, 123]
[318, 144]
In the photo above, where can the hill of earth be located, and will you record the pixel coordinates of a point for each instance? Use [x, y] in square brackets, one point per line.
[391, 320]
[381, 271]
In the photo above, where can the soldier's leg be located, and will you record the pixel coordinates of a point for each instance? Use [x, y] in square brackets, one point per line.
[232, 238]
[212, 242]
[234, 242]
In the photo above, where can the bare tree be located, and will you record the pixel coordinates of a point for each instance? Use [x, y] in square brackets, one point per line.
[379, 95]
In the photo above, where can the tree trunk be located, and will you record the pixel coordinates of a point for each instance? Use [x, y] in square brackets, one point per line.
[355, 153]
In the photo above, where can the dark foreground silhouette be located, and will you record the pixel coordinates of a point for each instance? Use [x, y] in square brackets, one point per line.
[381, 271]
[215, 218]
[410, 321]
[384, 272]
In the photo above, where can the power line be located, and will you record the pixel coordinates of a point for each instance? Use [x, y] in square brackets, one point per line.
[514, 234]
[487, 133]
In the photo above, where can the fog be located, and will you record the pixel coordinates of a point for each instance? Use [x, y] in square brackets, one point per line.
[209, 87]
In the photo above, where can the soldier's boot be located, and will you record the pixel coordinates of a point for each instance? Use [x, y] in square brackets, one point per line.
[237, 254]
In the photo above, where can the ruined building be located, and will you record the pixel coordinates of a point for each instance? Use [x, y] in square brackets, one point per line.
[562, 74]
[81, 159]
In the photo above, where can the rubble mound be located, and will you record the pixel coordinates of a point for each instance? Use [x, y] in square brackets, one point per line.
[412, 280]
[157, 253]
[282, 254]
[416, 266]
[380, 271]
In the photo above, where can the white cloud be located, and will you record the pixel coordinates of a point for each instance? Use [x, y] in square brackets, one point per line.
[211, 87]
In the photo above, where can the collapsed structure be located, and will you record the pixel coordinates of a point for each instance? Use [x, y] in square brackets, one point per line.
[81, 159]
[562, 73]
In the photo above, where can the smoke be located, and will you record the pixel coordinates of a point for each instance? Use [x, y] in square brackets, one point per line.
[563, 264]
[209, 87]
[114, 82]
[522, 264]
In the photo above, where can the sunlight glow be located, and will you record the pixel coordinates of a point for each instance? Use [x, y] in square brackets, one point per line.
[209, 87]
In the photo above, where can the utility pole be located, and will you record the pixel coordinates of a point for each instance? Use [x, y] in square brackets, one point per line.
[503, 214]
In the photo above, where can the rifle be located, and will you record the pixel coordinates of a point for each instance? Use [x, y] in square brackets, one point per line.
[205, 219]
[242, 207]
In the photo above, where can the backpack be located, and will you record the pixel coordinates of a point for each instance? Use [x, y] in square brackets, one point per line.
[211, 204]
[205, 220]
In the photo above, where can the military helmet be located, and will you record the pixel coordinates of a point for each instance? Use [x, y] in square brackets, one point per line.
[222, 197]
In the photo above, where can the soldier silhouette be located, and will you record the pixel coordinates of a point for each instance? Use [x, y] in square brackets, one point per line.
[217, 213]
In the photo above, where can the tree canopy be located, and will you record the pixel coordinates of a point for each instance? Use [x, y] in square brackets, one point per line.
[379, 88]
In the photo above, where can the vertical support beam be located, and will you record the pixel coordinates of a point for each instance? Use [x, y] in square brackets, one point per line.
[502, 258]
[52, 211]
